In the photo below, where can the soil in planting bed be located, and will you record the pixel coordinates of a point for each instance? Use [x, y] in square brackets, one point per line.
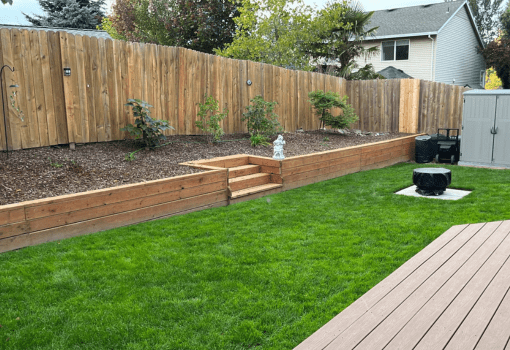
[53, 171]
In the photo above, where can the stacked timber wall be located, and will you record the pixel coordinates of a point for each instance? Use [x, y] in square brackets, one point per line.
[45, 220]
[34, 222]
[89, 105]
[304, 170]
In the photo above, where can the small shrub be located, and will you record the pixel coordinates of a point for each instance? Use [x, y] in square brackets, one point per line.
[260, 118]
[210, 120]
[323, 103]
[148, 129]
[55, 164]
[258, 139]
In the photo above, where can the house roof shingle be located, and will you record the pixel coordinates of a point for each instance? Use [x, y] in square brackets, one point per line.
[89, 32]
[413, 20]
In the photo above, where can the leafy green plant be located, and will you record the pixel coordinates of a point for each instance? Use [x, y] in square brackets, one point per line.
[148, 129]
[260, 118]
[210, 119]
[130, 156]
[259, 140]
[325, 139]
[55, 164]
[324, 102]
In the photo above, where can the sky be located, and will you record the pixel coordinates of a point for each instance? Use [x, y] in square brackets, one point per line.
[13, 14]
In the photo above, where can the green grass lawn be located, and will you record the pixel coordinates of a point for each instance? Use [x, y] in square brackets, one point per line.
[261, 274]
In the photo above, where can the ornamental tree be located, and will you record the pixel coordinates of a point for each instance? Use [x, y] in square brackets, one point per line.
[497, 55]
[339, 30]
[273, 32]
[201, 25]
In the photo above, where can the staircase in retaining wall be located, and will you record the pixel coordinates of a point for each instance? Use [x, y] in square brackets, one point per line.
[249, 177]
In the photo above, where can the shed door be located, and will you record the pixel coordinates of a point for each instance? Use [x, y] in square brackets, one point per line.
[502, 138]
[478, 119]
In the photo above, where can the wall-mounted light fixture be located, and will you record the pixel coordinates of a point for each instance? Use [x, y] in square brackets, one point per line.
[248, 82]
[67, 72]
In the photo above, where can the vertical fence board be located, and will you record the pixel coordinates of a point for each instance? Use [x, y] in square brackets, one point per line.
[32, 137]
[5, 98]
[112, 83]
[10, 57]
[89, 88]
[57, 86]
[227, 95]
[39, 91]
[97, 90]
[236, 106]
[83, 125]
[174, 88]
[243, 90]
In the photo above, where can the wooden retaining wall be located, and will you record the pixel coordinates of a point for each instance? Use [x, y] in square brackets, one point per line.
[45, 220]
[34, 222]
[304, 170]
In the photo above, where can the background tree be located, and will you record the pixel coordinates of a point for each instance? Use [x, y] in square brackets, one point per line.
[201, 25]
[83, 14]
[272, 32]
[487, 14]
[339, 31]
[505, 21]
[7, 2]
[497, 53]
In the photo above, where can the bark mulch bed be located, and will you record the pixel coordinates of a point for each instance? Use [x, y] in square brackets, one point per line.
[53, 171]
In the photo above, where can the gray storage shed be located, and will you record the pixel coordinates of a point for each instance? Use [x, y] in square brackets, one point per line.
[486, 128]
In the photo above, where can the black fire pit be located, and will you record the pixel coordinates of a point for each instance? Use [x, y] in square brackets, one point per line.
[431, 181]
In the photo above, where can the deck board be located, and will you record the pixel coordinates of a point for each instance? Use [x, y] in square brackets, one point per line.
[453, 294]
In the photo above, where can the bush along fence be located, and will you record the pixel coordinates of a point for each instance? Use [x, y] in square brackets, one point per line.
[45, 220]
[73, 89]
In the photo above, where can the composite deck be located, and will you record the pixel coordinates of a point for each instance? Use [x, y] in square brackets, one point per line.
[451, 295]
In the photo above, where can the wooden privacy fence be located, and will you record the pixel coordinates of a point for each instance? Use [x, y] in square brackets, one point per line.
[88, 105]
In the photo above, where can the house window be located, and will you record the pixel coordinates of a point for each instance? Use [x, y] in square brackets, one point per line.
[395, 50]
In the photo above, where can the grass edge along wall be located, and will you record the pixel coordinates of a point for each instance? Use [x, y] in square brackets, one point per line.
[89, 104]
[44, 220]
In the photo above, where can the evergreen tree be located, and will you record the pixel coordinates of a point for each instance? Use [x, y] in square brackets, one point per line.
[82, 14]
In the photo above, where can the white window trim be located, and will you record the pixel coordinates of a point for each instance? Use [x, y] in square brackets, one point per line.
[395, 50]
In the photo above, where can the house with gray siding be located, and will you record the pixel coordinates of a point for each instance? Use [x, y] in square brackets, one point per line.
[435, 42]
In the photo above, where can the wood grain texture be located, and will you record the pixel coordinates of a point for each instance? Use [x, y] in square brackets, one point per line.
[89, 106]
[101, 208]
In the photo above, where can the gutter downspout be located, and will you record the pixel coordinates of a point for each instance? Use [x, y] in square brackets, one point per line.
[432, 59]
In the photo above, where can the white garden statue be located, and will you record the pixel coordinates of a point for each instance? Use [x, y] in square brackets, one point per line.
[278, 148]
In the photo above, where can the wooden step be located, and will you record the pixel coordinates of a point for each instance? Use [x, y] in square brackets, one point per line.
[252, 190]
[252, 180]
[243, 170]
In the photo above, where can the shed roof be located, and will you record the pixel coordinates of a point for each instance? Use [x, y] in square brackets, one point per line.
[487, 92]
[89, 32]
